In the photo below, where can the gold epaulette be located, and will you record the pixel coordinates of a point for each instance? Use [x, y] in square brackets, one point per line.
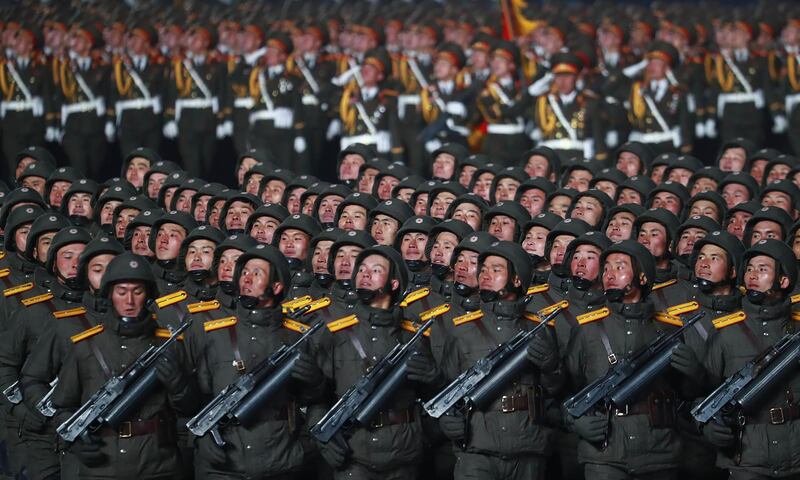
[342, 323]
[37, 299]
[298, 327]
[796, 316]
[72, 312]
[2, 254]
[219, 323]
[668, 319]
[683, 308]
[467, 317]
[411, 327]
[731, 319]
[166, 333]
[79, 337]
[434, 312]
[317, 304]
[295, 303]
[203, 306]
[414, 296]
[171, 299]
[551, 308]
[664, 284]
[5, 272]
[8, 292]
[536, 319]
[595, 315]
[538, 289]
[795, 298]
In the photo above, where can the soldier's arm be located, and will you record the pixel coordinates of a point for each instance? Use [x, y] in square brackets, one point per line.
[40, 367]
[67, 396]
[187, 400]
[12, 349]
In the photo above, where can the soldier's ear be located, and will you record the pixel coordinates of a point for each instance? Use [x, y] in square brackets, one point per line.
[642, 279]
[394, 284]
[517, 282]
[277, 288]
[784, 282]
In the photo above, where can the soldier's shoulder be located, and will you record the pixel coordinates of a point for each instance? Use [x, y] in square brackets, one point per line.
[593, 316]
[729, 319]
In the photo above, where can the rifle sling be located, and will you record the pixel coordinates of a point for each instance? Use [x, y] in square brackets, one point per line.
[612, 357]
[238, 363]
[98, 355]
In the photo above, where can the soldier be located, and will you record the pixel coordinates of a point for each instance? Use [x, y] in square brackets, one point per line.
[96, 353]
[410, 241]
[534, 242]
[292, 238]
[259, 325]
[265, 219]
[236, 212]
[386, 219]
[166, 237]
[27, 156]
[137, 164]
[768, 274]
[341, 262]
[692, 230]
[505, 221]
[250, 40]
[318, 262]
[442, 242]
[351, 214]
[34, 176]
[77, 203]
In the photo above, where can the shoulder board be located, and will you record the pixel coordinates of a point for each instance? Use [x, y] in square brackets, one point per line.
[342, 323]
[536, 318]
[317, 304]
[165, 333]
[73, 312]
[2, 254]
[434, 312]
[795, 298]
[668, 319]
[171, 299]
[664, 284]
[5, 272]
[796, 316]
[733, 318]
[413, 328]
[595, 315]
[548, 310]
[219, 323]
[466, 318]
[37, 299]
[538, 289]
[87, 334]
[298, 327]
[203, 306]
[8, 292]
[414, 296]
[295, 303]
[683, 308]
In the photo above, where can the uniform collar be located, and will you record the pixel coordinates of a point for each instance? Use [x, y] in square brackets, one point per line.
[378, 316]
[506, 309]
[722, 303]
[778, 312]
[642, 311]
[259, 316]
[558, 282]
[144, 327]
[50, 283]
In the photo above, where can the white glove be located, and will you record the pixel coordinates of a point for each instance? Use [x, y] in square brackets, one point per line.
[224, 129]
[612, 138]
[283, 117]
[432, 145]
[110, 131]
[300, 144]
[541, 86]
[634, 69]
[456, 108]
[51, 134]
[170, 129]
[334, 129]
[383, 142]
[699, 130]
[779, 124]
[711, 128]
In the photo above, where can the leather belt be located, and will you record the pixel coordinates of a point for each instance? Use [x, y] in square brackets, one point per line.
[773, 416]
[132, 429]
[385, 418]
[517, 402]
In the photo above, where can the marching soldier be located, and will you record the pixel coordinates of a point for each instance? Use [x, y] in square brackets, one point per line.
[250, 41]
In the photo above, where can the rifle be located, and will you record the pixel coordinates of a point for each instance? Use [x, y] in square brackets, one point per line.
[45, 405]
[364, 399]
[744, 390]
[479, 384]
[119, 395]
[13, 393]
[629, 376]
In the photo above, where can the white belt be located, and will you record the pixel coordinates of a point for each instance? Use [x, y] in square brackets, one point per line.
[756, 97]
[505, 128]
[404, 101]
[98, 105]
[35, 105]
[153, 103]
[673, 136]
[244, 102]
[381, 140]
[181, 103]
[265, 114]
[309, 99]
[463, 131]
[791, 101]
[564, 144]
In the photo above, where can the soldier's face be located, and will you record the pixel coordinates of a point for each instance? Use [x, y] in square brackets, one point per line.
[680, 175]
[128, 298]
[79, 44]
[254, 280]
[766, 229]
[465, 269]
[620, 226]
[760, 274]
[139, 244]
[493, 274]
[618, 272]
[629, 164]
[373, 273]
[348, 169]
[778, 172]
[444, 70]
[227, 264]
[629, 195]
[465, 176]
[384, 229]
[483, 185]
[107, 212]
[737, 224]
[244, 167]
[293, 200]
[404, 194]
[80, 204]
[533, 200]
[586, 262]
[237, 215]
[253, 183]
[263, 229]
[656, 69]
[353, 217]
[386, 185]
[136, 170]
[216, 211]
[184, 201]
[371, 75]
[503, 227]
[273, 191]
[588, 209]
[559, 248]
[607, 186]
[706, 208]
[23, 46]
[275, 56]
[327, 208]
[34, 183]
[308, 205]
[796, 245]
[688, 238]
[501, 66]
[367, 180]
[421, 204]
[21, 237]
[667, 201]
[733, 160]
[734, 194]
[441, 202]
[657, 173]
[506, 189]
[96, 268]
[579, 180]
[154, 183]
[67, 260]
[778, 199]
[123, 219]
[565, 83]
[294, 243]
[168, 241]
[537, 166]
[534, 241]
[444, 166]
[559, 205]
[703, 184]
[479, 59]
[654, 236]
[712, 264]
[42, 246]
[757, 169]
[412, 246]
[199, 255]
[22, 165]
[345, 261]
[319, 258]
[57, 191]
[443, 246]
[201, 208]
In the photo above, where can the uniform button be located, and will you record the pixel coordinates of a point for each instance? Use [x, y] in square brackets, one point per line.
[124, 347]
[123, 451]
[774, 442]
[374, 358]
[631, 437]
[499, 328]
[252, 338]
[764, 323]
[373, 327]
[503, 429]
[628, 333]
[374, 339]
[248, 447]
[124, 366]
[374, 439]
